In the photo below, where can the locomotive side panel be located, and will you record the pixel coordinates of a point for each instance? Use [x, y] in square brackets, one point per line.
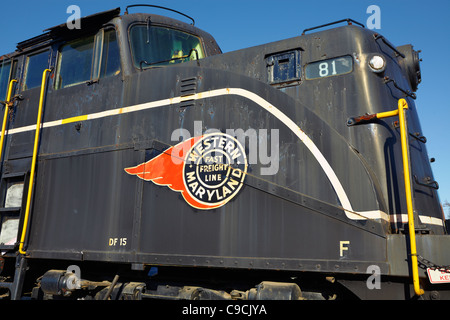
[80, 200]
[294, 207]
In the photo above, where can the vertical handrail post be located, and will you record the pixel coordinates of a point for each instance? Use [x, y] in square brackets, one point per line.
[402, 106]
[401, 112]
[5, 116]
[33, 162]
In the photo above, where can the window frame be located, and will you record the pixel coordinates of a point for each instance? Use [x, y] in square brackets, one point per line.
[3, 95]
[59, 59]
[96, 71]
[156, 64]
[26, 65]
[327, 60]
[101, 71]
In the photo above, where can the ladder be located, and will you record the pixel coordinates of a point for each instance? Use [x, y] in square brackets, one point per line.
[15, 287]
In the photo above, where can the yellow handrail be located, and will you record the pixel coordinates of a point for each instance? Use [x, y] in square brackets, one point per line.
[402, 106]
[33, 161]
[5, 116]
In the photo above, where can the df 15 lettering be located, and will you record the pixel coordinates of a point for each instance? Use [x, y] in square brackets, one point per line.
[117, 242]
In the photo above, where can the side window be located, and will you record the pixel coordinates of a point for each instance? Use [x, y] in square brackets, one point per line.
[5, 69]
[75, 62]
[35, 65]
[110, 60]
[162, 46]
[88, 59]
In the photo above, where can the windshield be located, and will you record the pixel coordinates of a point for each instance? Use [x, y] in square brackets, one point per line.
[156, 46]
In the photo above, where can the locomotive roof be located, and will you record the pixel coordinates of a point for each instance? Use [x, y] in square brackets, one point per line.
[61, 31]
[96, 21]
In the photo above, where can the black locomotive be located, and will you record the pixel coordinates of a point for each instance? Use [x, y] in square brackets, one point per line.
[139, 161]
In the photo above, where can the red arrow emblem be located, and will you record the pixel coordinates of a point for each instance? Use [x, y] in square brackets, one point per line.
[208, 170]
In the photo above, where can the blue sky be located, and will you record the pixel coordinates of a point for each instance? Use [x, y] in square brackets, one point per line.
[239, 24]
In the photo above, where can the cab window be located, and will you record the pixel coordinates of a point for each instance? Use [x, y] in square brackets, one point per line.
[110, 60]
[75, 62]
[5, 69]
[88, 59]
[34, 67]
[156, 46]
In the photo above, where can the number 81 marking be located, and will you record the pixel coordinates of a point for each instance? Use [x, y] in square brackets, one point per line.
[323, 69]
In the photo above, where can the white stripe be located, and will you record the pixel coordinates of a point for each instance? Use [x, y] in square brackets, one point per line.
[403, 218]
[430, 220]
[345, 202]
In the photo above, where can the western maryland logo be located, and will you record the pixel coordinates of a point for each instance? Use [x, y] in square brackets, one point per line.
[208, 170]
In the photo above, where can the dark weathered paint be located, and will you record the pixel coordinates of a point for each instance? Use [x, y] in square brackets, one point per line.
[290, 221]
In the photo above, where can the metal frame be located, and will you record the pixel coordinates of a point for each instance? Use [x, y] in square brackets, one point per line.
[159, 7]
